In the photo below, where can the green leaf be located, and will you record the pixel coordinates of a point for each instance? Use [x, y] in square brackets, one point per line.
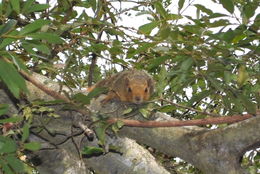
[193, 29]
[249, 105]
[228, 5]
[120, 61]
[115, 32]
[144, 47]
[173, 17]
[100, 131]
[154, 63]
[203, 9]
[227, 77]
[226, 102]
[127, 111]
[219, 23]
[160, 9]
[28, 4]
[85, 99]
[50, 37]
[93, 4]
[198, 97]
[8, 26]
[33, 146]
[242, 76]
[216, 67]
[217, 15]
[199, 116]
[53, 115]
[228, 36]
[147, 28]
[12, 78]
[161, 81]
[36, 25]
[239, 37]
[167, 108]
[97, 91]
[198, 13]
[116, 50]
[186, 64]
[7, 9]
[52, 102]
[7, 145]
[17, 61]
[215, 83]
[6, 169]
[98, 47]
[1, 9]
[117, 126]
[92, 151]
[257, 20]
[164, 32]
[6, 42]
[11, 120]
[145, 113]
[237, 105]
[29, 48]
[81, 98]
[120, 124]
[26, 132]
[16, 5]
[16, 164]
[131, 52]
[39, 46]
[249, 9]
[180, 4]
[3, 109]
[37, 8]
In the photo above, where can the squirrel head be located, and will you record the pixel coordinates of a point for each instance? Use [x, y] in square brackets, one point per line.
[138, 89]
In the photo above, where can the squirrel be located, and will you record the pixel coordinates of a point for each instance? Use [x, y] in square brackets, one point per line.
[133, 86]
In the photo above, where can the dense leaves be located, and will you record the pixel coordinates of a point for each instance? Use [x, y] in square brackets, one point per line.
[12, 78]
[205, 59]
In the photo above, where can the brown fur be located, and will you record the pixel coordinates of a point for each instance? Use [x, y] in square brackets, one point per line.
[132, 86]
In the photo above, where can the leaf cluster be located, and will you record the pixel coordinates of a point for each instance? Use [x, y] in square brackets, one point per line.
[207, 61]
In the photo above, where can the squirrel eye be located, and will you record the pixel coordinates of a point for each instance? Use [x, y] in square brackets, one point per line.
[146, 90]
[129, 89]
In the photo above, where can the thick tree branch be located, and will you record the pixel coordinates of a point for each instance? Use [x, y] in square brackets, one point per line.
[212, 151]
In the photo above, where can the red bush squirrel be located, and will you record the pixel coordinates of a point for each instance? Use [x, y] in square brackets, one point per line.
[132, 86]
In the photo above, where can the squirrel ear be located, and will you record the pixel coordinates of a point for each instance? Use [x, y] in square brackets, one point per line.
[127, 81]
[150, 85]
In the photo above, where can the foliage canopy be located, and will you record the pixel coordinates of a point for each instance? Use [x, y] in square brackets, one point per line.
[212, 55]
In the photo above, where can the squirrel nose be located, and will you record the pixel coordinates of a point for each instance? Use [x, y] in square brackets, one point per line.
[137, 99]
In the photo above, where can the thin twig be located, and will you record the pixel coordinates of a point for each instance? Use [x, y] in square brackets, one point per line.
[54, 94]
[189, 108]
[45, 89]
[197, 122]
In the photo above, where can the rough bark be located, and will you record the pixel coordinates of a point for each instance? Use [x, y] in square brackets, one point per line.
[213, 151]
